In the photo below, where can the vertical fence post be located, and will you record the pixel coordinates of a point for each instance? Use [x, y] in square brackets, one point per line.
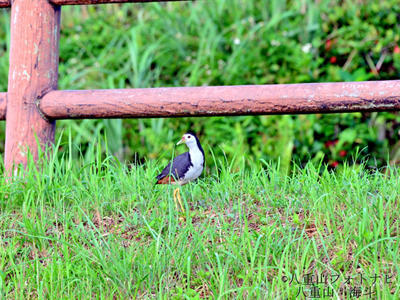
[35, 30]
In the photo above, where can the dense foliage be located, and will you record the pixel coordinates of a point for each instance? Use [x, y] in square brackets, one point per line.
[79, 224]
[228, 42]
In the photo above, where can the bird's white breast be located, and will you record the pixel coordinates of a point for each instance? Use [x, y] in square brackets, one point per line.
[197, 158]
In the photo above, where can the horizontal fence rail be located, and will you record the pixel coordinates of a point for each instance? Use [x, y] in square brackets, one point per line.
[223, 100]
[303, 98]
[7, 3]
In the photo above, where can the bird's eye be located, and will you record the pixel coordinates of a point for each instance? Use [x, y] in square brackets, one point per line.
[189, 137]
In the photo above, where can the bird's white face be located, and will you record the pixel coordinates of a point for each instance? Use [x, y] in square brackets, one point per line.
[188, 139]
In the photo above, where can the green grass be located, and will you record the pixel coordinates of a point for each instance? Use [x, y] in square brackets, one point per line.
[95, 228]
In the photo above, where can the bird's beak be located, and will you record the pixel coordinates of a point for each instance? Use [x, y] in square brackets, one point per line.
[182, 140]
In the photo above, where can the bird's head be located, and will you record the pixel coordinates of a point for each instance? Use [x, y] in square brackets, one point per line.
[189, 138]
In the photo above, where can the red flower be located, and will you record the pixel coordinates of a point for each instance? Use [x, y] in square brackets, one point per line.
[334, 164]
[333, 59]
[342, 153]
[331, 143]
[396, 49]
[328, 45]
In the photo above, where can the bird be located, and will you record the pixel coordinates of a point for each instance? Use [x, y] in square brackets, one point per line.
[185, 167]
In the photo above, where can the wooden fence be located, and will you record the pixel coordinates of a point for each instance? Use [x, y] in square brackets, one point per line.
[33, 104]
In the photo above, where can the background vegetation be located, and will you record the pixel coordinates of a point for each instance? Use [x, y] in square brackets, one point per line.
[232, 42]
[82, 225]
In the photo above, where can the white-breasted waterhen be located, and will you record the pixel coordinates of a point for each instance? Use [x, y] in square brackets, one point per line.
[185, 167]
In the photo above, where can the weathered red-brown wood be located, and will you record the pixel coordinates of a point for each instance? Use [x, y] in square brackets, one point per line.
[7, 3]
[3, 105]
[35, 27]
[224, 100]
